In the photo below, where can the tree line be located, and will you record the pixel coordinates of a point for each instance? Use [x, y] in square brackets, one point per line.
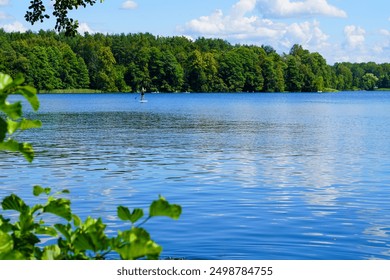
[132, 62]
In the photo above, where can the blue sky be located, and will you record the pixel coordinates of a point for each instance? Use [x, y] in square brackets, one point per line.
[341, 30]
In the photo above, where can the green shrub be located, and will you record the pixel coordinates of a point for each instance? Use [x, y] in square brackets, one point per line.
[76, 239]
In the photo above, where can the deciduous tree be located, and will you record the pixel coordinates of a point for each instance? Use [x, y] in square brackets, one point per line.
[37, 12]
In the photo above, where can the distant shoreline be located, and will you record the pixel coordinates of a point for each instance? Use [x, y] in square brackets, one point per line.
[70, 91]
[92, 91]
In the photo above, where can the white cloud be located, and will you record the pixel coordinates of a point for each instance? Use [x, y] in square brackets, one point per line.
[384, 43]
[307, 34]
[129, 5]
[355, 36]
[232, 25]
[4, 2]
[84, 28]
[240, 24]
[258, 22]
[212, 24]
[358, 47]
[243, 7]
[14, 27]
[286, 8]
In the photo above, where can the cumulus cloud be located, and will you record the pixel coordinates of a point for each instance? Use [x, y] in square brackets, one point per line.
[129, 5]
[231, 25]
[242, 24]
[258, 22]
[384, 43]
[307, 34]
[85, 28]
[242, 7]
[212, 24]
[357, 47]
[355, 36]
[14, 27]
[286, 8]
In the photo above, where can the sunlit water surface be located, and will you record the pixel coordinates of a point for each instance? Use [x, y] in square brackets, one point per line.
[259, 176]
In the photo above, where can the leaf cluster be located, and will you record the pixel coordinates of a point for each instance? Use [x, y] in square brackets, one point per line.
[76, 239]
[37, 12]
[11, 120]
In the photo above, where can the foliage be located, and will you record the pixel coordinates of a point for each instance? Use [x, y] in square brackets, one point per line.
[76, 239]
[369, 81]
[130, 62]
[13, 122]
[36, 12]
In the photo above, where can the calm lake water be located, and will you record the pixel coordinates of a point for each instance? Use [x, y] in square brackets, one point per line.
[259, 176]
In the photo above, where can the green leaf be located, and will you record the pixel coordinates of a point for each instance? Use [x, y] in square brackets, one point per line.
[137, 244]
[38, 190]
[13, 202]
[64, 230]
[23, 125]
[26, 222]
[7, 250]
[12, 126]
[30, 94]
[91, 236]
[76, 220]
[51, 252]
[13, 146]
[5, 80]
[161, 207]
[136, 215]
[83, 242]
[28, 124]
[125, 215]
[5, 224]
[6, 243]
[18, 80]
[27, 151]
[46, 230]
[13, 255]
[59, 207]
[35, 208]
[12, 110]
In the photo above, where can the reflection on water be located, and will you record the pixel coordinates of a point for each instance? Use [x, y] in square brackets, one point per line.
[259, 176]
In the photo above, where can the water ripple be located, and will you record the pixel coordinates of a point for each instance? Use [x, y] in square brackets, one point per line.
[260, 177]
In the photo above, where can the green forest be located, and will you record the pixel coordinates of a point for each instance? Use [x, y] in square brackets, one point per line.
[130, 62]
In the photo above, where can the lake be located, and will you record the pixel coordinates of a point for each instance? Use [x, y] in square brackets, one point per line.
[259, 176]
